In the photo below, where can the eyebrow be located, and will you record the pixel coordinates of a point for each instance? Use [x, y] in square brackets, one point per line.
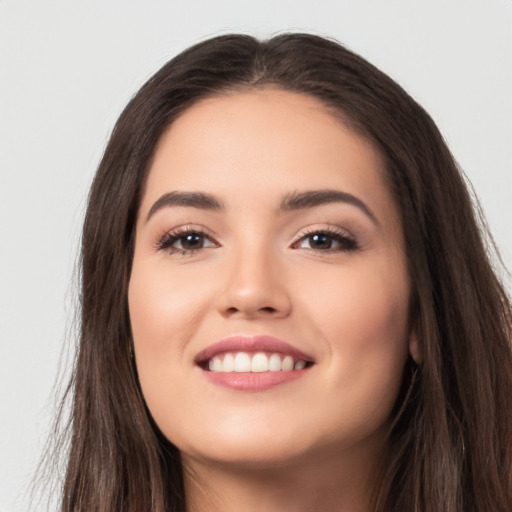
[190, 199]
[291, 202]
[312, 198]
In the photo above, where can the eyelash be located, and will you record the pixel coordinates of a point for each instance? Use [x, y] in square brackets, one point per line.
[168, 239]
[346, 242]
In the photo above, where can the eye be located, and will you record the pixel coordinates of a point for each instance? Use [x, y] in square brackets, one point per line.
[326, 241]
[185, 241]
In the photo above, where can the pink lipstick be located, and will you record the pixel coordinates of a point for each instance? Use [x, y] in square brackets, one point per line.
[252, 363]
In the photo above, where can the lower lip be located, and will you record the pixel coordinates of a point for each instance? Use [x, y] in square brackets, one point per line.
[250, 381]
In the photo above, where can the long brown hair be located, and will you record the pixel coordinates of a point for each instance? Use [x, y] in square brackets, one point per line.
[451, 437]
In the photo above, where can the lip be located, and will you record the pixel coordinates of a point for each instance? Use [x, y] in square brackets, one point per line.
[249, 381]
[251, 344]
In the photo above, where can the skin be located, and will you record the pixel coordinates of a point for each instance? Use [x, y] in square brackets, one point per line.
[314, 443]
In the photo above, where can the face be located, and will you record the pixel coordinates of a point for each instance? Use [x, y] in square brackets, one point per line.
[269, 293]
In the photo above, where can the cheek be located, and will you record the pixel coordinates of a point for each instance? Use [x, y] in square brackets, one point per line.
[164, 308]
[362, 316]
[362, 298]
[164, 314]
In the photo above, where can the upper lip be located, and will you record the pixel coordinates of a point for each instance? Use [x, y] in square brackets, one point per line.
[261, 343]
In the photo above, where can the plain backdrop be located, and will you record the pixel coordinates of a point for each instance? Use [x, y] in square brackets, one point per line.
[68, 68]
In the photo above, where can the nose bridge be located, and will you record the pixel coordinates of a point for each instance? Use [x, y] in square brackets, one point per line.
[254, 284]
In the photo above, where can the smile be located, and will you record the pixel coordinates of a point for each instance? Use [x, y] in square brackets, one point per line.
[258, 362]
[252, 363]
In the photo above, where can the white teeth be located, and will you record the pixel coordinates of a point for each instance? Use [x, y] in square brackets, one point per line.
[274, 363]
[228, 364]
[242, 362]
[287, 364]
[259, 362]
[215, 364]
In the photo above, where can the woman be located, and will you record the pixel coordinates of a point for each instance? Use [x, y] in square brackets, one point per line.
[286, 300]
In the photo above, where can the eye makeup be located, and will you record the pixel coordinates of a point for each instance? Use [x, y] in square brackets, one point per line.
[189, 240]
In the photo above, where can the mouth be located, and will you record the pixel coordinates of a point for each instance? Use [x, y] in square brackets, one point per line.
[252, 363]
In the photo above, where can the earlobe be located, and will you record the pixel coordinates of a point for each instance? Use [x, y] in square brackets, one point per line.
[414, 348]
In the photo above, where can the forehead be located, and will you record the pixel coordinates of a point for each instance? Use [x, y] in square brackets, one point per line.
[259, 145]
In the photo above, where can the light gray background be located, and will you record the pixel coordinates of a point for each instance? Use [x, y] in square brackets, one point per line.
[68, 68]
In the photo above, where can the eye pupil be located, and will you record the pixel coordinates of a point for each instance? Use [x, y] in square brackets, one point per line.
[191, 241]
[321, 241]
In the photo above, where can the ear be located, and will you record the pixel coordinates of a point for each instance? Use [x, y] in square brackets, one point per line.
[414, 347]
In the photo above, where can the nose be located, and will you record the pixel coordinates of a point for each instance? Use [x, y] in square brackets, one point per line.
[254, 287]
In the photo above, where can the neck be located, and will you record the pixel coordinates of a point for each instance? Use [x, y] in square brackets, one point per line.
[331, 483]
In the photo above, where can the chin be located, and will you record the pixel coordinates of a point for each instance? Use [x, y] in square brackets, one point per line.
[246, 454]
[264, 446]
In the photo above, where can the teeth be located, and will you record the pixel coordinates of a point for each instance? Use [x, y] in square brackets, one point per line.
[228, 364]
[258, 362]
[242, 362]
[215, 364]
[299, 365]
[287, 364]
[274, 363]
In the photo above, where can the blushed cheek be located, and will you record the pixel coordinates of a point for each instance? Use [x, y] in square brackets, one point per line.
[154, 317]
[166, 312]
[163, 311]
[365, 320]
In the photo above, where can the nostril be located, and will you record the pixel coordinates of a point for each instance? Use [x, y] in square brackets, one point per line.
[265, 310]
[251, 304]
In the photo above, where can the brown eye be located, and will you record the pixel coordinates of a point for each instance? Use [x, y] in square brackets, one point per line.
[320, 241]
[185, 242]
[325, 241]
[190, 242]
